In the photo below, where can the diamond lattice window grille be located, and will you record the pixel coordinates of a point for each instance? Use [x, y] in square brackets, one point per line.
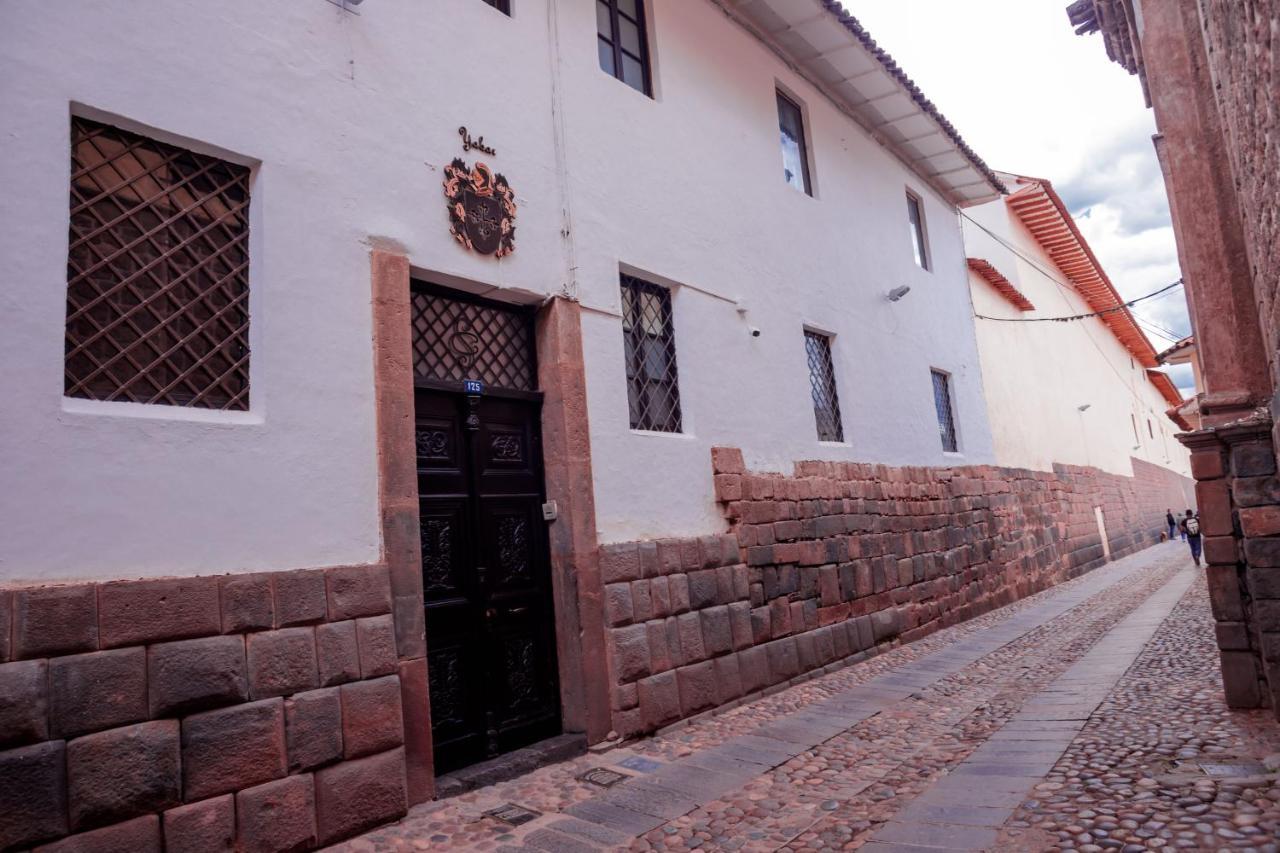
[822, 383]
[157, 273]
[946, 415]
[456, 340]
[648, 333]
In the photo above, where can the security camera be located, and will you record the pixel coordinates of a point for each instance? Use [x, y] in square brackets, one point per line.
[755, 331]
[897, 293]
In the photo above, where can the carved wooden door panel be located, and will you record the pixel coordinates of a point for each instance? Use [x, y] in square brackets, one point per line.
[486, 577]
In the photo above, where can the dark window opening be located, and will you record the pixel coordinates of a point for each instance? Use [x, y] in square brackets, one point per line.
[157, 273]
[795, 151]
[946, 414]
[503, 6]
[822, 384]
[623, 43]
[915, 216]
[648, 333]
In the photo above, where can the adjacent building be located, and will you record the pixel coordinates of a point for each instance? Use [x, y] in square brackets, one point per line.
[391, 386]
[1208, 72]
[1081, 391]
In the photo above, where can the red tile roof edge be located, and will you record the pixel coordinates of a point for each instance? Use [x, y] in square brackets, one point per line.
[1166, 387]
[1188, 341]
[1175, 414]
[1002, 285]
[891, 66]
[1101, 294]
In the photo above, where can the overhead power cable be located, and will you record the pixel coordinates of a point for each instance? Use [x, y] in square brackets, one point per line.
[1069, 318]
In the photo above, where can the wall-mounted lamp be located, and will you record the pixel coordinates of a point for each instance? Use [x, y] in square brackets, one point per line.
[897, 293]
[1083, 408]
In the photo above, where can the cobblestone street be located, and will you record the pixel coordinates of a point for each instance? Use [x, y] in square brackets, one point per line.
[1088, 717]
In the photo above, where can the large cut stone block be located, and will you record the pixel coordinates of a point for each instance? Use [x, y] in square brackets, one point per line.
[191, 675]
[233, 748]
[122, 773]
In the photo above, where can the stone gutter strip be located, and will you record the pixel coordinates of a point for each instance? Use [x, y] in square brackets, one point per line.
[964, 809]
[680, 787]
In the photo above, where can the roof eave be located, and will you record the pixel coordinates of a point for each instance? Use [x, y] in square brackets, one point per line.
[831, 49]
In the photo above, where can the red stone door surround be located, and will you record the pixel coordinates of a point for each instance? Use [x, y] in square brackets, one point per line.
[577, 590]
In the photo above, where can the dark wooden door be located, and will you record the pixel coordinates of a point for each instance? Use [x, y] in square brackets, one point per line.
[486, 576]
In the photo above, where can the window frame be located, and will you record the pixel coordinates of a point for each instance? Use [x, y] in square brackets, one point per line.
[824, 374]
[951, 421]
[196, 258]
[806, 175]
[640, 408]
[614, 41]
[919, 231]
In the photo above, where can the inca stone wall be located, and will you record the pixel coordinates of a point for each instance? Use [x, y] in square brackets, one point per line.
[836, 561]
[250, 712]
[1242, 38]
[1235, 463]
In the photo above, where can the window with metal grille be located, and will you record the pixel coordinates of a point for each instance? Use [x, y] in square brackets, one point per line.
[623, 42]
[915, 218]
[822, 384]
[503, 6]
[648, 334]
[456, 339]
[946, 414]
[795, 152]
[157, 273]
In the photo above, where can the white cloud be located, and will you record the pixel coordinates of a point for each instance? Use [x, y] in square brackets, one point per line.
[1032, 97]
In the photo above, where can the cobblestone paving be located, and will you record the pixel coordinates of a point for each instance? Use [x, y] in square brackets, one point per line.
[832, 797]
[1131, 781]
[835, 794]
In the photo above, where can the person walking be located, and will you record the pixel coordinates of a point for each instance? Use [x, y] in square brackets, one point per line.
[1191, 532]
[1173, 525]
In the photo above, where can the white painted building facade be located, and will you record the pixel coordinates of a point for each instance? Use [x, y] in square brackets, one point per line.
[273, 434]
[1083, 392]
[346, 121]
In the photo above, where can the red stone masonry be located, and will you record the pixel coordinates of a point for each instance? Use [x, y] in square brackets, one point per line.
[833, 563]
[236, 712]
[1239, 495]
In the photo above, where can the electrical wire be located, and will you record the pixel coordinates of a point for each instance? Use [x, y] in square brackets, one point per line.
[1066, 291]
[1070, 317]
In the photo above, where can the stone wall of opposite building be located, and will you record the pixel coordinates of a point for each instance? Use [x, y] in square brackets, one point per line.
[1239, 492]
[1236, 463]
[1243, 48]
[838, 561]
[251, 712]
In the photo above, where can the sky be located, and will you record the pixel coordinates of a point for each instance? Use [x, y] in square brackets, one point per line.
[1032, 97]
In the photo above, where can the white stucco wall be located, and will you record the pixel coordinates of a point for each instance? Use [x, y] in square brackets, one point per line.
[1037, 375]
[347, 121]
[714, 214]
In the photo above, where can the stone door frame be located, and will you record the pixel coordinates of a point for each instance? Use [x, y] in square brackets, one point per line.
[576, 585]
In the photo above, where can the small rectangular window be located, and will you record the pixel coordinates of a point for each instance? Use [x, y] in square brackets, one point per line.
[503, 6]
[649, 341]
[915, 218]
[795, 151]
[946, 414]
[822, 384]
[623, 43]
[1134, 420]
[157, 273]
[1150, 431]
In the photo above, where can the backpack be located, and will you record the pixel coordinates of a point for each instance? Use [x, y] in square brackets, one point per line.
[1193, 526]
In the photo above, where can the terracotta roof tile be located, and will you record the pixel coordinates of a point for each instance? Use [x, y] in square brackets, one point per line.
[1001, 284]
[891, 66]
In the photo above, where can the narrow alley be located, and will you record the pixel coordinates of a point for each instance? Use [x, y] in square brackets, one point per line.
[1088, 717]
